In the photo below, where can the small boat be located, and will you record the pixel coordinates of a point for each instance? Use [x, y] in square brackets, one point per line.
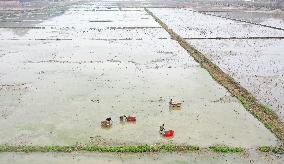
[168, 133]
[131, 118]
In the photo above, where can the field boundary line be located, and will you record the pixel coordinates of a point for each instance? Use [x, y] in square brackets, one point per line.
[135, 148]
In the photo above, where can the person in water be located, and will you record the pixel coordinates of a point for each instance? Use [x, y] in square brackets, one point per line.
[171, 102]
[122, 118]
[108, 119]
[162, 129]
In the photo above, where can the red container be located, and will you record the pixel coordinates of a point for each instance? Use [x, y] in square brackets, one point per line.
[169, 133]
[131, 118]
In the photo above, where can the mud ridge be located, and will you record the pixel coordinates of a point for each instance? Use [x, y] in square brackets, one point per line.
[241, 38]
[100, 21]
[24, 27]
[134, 148]
[114, 28]
[64, 61]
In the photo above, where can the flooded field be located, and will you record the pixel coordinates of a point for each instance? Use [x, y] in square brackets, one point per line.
[257, 64]
[250, 53]
[192, 24]
[63, 70]
[270, 18]
[266, 16]
[76, 71]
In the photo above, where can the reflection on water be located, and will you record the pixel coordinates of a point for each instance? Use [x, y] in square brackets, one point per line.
[21, 21]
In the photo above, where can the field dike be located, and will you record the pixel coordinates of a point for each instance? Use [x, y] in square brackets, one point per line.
[134, 148]
[262, 112]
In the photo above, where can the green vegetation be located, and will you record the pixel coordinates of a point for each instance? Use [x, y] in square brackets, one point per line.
[133, 148]
[92, 148]
[264, 148]
[141, 148]
[29, 148]
[278, 150]
[266, 109]
[226, 149]
[170, 148]
[244, 101]
[268, 126]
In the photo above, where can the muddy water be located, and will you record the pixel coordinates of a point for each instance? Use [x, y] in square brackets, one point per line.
[59, 82]
[256, 64]
[61, 158]
[190, 24]
[271, 18]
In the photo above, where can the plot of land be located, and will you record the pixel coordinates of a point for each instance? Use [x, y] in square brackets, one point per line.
[246, 51]
[62, 74]
[58, 91]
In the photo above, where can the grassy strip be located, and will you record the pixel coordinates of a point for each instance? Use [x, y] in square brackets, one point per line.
[278, 150]
[133, 148]
[226, 149]
[258, 110]
[170, 148]
[121, 149]
[141, 148]
[96, 148]
[29, 148]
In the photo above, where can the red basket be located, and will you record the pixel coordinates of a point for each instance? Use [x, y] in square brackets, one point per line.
[131, 118]
[169, 133]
